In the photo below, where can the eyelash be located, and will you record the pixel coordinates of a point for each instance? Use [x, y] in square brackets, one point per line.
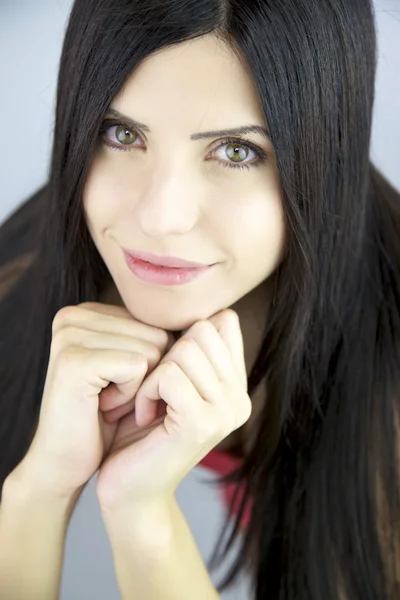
[262, 157]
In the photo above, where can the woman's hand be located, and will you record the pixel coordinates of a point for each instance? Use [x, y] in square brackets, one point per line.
[193, 399]
[99, 356]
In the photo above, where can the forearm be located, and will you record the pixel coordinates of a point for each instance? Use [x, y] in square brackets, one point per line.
[156, 557]
[32, 538]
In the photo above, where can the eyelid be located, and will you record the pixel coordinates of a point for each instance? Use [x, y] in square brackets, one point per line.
[107, 123]
[262, 157]
[243, 142]
[232, 140]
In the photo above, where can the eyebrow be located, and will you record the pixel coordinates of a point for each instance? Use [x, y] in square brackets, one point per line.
[244, 129]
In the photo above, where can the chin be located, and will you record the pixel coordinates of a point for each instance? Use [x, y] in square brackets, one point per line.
[169, 320]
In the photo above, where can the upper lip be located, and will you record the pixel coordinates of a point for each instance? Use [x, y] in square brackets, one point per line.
[164, 261]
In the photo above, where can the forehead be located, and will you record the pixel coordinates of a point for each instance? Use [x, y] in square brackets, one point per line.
[195, 85]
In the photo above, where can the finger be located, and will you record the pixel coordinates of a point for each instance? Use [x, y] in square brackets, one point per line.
[106, 309]
[213, 346]
[116, 319]
[115, 395]
[87, 372]
[94, 340]
[145, 357]
[188, 355]
[156, 334]
[120, 411]
[227, 323]
[117, 400]
[115, 414]
[168, 383]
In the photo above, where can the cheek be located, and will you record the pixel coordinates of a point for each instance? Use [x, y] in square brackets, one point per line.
[256, 228]
[100, 199]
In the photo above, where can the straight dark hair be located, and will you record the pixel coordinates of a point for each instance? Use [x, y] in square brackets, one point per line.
[323, 471]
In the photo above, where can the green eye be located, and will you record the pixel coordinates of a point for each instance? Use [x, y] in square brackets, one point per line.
[125, 135]
[237, 151]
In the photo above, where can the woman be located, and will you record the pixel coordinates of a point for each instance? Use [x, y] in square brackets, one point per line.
[302, 233]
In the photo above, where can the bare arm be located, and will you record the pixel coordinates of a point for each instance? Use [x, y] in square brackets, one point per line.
[33, 527]
[156, 557]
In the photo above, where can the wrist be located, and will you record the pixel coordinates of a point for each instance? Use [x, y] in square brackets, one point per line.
[27, 487]
[141, 523]
[33, 529]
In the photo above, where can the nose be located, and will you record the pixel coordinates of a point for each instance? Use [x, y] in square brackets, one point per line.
[169, 204]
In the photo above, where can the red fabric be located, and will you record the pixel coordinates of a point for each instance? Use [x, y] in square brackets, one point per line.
[223, 463]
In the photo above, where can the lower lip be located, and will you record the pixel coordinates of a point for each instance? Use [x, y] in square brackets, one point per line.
[162, 275]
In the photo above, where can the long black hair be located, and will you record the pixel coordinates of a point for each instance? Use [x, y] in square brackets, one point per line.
[323, 470]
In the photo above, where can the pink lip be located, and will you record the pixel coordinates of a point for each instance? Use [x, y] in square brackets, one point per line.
[163, 261]
[163, 275]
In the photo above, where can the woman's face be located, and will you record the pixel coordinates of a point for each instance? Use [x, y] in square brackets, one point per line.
[172, 195]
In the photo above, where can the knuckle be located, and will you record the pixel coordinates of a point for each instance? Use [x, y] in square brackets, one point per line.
[151, 354]
[58, 342]
[163, 338]
[88, 304]
[154, 354]
[168, 366]
[202, 327]
[63, 317]
[185, 344]
[138, 359]
[232, 315]
[70, 356]
[170, 370]
[62, 338]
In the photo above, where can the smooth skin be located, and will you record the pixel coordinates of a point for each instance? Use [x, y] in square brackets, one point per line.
[176, 402]
[168, 194]
[199, 199]
[188, 395]
[194, 398]
[98, 354]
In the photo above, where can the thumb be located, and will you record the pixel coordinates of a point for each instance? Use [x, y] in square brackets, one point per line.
[227, 323]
